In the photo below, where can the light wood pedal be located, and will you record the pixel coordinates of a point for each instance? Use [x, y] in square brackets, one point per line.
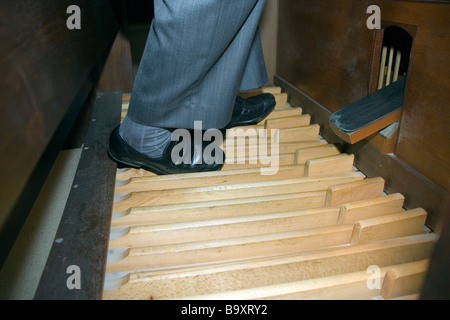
[309, 230]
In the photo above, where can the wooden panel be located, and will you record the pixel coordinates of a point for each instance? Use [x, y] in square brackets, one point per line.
[172, 283]
[436, 283]
[320, 59]
[395, 225]
[83, 233]
[43, 66]
[399, 176]
[319, 52]
[425, 124]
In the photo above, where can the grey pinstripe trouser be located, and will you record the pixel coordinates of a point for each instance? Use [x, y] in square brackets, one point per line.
[199, 54]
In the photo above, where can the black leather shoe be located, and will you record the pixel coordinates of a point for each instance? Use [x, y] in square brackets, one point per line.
[252, 110]
[128, 157]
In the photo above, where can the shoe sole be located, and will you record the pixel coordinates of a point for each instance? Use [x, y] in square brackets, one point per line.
[123, 164]
[249, 122]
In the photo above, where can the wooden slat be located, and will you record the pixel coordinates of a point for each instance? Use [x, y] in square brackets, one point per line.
[288, 122]
[281, 99]
[239, 170]
[370, 208]
[303, 133]
[349, 286]
[305, 154]
[329, 165]
[393, 225]
[350, 192]
[229, 249]
[264, 223]
[204, 179]
[404, 280]
[284, 113]
[278, 123]
[268, 165]
[188, 281]
[262, 153]
[233, 191]
[202, 230]
[284, 148]
[254, 92]
[217, 209]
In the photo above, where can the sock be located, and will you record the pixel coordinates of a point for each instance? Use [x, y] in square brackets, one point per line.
[148, 140]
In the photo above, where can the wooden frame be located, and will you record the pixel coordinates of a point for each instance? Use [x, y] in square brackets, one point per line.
[83, 233]
[398, 175]
[49, 73]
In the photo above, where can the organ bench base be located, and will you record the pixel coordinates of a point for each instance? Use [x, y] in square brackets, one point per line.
[316, 229]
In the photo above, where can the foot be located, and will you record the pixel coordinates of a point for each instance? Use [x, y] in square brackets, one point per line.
[168, 163]
[252, 110]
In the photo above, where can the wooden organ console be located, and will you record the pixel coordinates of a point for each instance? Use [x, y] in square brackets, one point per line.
[338, 220]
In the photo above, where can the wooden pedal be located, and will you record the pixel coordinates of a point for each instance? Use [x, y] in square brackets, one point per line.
[404, 280]
[254, 92]
[310, 230]
[203, 230]
[369, 114]
[275, 123]
[327, 165]
[284, 113]
[288, 122]
[229, 249]
[305, 154]
[221, 209]
[395, 225]
[351, 192]
[233, 191]
[348, 286]
[371, 208]
[301, 133]
[176, 283]
[203, 179]
[285, 148]
[280, 97]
